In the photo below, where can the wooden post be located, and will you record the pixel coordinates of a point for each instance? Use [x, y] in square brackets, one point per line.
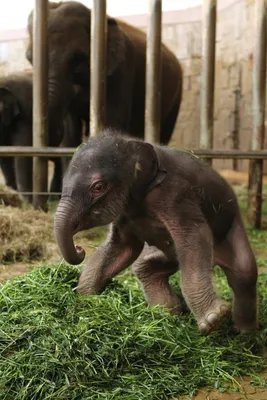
[235, 133]
[208, 74]
[259, 94]
[98, 67]
[40, 100]
[153, 73]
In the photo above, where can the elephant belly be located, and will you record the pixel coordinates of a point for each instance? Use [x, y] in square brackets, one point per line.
[154, 234]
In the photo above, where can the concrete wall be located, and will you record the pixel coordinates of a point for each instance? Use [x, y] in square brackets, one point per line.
[182, 32]
[234, 59]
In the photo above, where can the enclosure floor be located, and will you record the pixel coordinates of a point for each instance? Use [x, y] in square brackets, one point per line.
[247, 392]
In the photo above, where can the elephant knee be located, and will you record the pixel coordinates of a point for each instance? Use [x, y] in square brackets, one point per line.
[140, 268]
[249, 271]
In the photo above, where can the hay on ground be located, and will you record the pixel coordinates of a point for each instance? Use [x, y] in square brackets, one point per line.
[24, 234]
[10, 197]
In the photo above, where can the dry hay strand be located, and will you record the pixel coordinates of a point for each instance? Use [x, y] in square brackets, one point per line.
[24, 234]
[10, 197]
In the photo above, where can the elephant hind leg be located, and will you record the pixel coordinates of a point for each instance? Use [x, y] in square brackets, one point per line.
[153, 269]
[236, 258]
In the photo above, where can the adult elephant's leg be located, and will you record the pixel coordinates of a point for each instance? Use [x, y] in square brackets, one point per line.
[56, 183]
[23, 165]
[8, 170]
[72, 137]
[23, 170]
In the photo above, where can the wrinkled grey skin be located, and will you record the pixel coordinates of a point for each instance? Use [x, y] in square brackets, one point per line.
[16, 130]
[69, 60]
[167, 209]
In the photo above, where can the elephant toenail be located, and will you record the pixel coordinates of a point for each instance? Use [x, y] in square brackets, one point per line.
[212, 318]
[224, 308]
[203, 328]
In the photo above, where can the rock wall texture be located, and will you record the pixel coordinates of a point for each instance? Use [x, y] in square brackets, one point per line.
[182, 32]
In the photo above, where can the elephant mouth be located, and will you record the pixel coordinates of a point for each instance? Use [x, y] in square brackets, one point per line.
[76, 228]
[82, 226]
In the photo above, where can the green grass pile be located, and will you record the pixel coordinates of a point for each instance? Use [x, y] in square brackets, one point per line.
[55, 344]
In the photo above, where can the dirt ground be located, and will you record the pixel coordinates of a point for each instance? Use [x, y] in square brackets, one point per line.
[246, 391]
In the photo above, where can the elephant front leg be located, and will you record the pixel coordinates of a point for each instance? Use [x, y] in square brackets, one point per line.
[115, 255]
[196, 264]
[194, 246]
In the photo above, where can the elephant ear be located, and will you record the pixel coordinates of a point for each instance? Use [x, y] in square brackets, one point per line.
[116, 46]
[9, 107]
[147, 170]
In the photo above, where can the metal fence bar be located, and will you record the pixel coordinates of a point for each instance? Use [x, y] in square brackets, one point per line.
[40, 99]
[49, 152]
[259, 94]
[153, 73]
[98, 63]
[208, 73]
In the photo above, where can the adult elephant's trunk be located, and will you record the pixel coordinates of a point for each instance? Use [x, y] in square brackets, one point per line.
[65, 222]
[59, 96]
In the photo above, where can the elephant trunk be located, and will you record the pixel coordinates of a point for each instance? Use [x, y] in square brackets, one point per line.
[65, 222]
[58, 97]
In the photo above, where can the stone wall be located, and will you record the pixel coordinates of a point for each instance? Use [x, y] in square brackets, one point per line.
[182, 32]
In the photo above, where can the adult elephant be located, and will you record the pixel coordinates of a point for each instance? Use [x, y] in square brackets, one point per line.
[16, 130]
[69, 50]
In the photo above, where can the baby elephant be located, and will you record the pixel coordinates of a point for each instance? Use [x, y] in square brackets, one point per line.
[167, 209]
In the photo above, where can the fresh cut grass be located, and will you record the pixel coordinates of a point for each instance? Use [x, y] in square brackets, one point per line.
[55, 344]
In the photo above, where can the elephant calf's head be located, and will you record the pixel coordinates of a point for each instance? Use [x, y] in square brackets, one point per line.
[103, 176]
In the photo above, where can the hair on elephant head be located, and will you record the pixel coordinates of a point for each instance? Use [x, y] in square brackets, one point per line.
[69, 56]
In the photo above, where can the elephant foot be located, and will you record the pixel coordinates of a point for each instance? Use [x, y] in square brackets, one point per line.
[88, 284]
[214, 317]
[246, 327]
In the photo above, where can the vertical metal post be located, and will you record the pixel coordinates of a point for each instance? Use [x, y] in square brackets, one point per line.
[98, 67]
[208, 74]
[259, 94]
[153, 73]
[40, 99]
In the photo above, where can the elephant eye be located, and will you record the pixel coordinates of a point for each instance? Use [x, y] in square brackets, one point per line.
[97, 188]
